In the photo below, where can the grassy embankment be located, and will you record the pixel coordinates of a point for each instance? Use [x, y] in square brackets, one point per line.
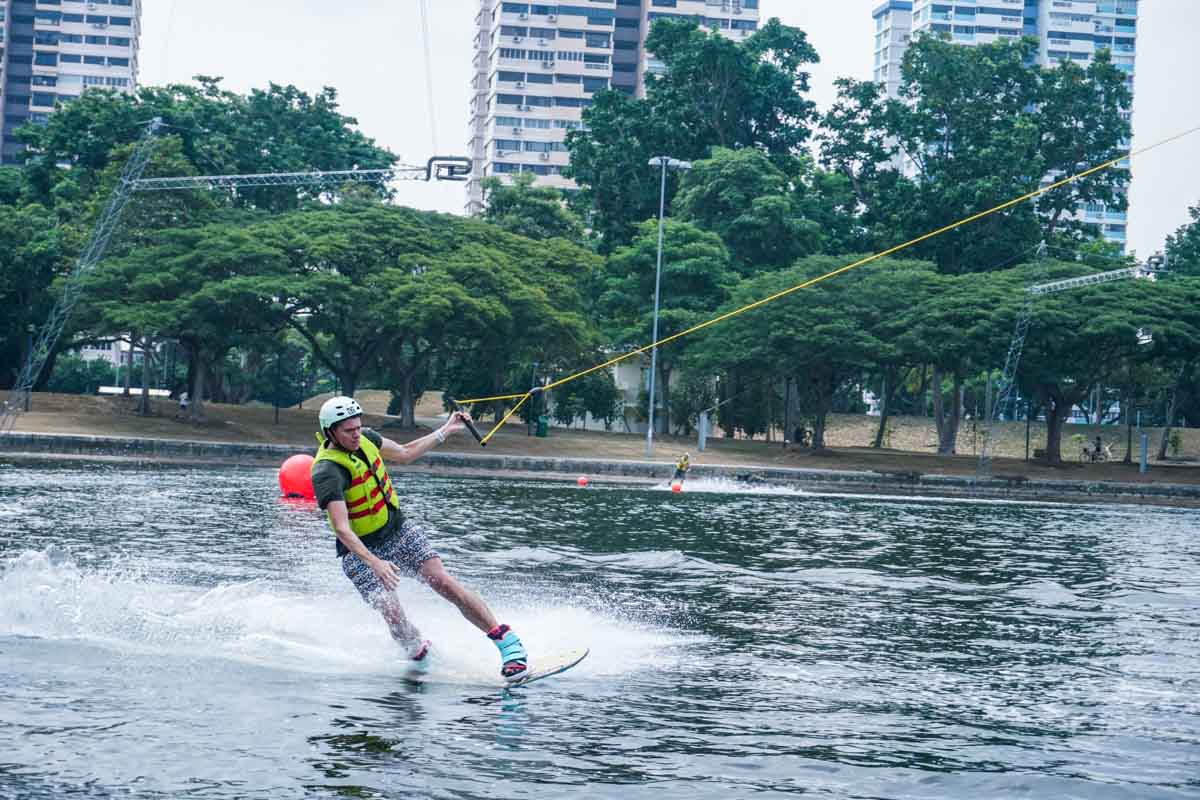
[912, 439]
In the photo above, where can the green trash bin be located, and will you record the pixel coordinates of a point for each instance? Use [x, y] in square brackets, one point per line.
[543, 426]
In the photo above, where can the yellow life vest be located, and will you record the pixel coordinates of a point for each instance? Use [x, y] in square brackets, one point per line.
[370, 491]
[682, 464]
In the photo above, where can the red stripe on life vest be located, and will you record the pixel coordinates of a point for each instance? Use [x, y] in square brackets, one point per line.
[367, 511]
[358, 480]
[357, 502]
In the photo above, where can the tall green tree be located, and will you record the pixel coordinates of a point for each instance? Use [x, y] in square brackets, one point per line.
[1183, 246]
[747, 201]
[1084, 336]
[31, 257]
[536, 212]
[975, 127]
[819, 337]
[1082, 118]
[198, 286]
[277, 129]
[696, 280]
[715, 92]
[961, 328]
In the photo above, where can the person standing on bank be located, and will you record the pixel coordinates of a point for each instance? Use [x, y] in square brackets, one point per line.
[376, 543]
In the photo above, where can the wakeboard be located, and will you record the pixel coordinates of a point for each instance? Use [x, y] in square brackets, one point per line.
[548, 667]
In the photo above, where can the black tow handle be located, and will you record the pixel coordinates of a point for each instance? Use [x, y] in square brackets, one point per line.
[467, 421]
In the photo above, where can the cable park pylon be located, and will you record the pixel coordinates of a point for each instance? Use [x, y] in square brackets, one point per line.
[440, 168]
[1150, 270]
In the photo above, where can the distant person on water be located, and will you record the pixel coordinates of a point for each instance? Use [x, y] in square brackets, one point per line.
[375, 541]
[681, 468]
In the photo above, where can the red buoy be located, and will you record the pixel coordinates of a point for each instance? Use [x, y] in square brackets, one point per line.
[581, 480]
[295, 477]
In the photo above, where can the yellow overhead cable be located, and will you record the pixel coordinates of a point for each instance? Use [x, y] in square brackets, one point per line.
[1008, 204]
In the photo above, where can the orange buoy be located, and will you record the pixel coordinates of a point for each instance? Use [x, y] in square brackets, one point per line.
[581, 480]
[295, 477]
[676, 487]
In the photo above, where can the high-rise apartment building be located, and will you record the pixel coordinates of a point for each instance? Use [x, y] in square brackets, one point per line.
[537, 67]
[52, 50]
[1070, 30]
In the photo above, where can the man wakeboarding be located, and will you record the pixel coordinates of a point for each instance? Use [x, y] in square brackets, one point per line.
[681, 468]
[377, 543]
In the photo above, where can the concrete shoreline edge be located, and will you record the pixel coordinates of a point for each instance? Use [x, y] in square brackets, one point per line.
[27, 446]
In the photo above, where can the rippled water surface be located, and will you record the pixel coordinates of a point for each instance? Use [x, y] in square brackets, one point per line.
[169, 632]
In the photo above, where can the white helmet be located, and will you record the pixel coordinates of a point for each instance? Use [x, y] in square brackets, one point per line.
[336, 409]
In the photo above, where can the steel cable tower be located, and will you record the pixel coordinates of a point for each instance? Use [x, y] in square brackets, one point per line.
[1147, 271]
[442, 168]
[93, 252]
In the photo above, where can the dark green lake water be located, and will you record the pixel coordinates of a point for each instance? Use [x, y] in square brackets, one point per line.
[169, 632]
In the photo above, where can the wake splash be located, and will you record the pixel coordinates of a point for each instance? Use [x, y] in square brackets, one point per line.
[730, 486]
[46, 595]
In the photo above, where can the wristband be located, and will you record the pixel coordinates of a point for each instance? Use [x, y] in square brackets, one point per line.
[441, 437]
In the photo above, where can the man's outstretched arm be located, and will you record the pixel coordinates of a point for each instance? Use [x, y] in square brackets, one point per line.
[408, 453]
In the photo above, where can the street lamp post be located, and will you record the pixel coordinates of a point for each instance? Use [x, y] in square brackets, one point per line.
[664, 162]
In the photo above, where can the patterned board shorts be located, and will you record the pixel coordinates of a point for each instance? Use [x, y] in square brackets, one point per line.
[407, 548]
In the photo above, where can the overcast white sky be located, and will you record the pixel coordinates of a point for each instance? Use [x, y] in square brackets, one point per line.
[371, 51]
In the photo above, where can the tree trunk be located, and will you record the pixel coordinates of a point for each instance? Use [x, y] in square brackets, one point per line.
[198, 370]
[190, 380]
[1057, 412]
[144, 403]
[1058, 408]
[1127, 412]
[408, 403]
[1170, 420]
[498, 409]
[823, 384]
[885, 405]
[795, 409]
[947, 422]
[923, 391]
[664, 391]
[128, 376]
